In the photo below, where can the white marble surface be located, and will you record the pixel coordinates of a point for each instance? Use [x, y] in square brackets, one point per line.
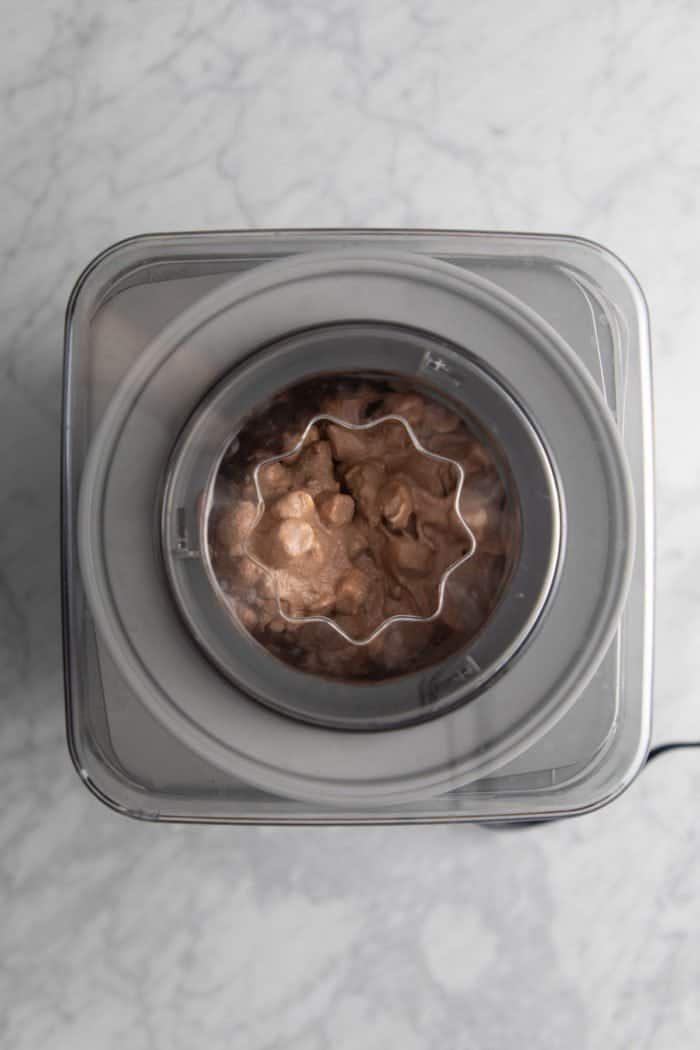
[580, 117]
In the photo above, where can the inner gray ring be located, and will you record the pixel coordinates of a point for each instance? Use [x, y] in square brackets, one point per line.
[490, 410]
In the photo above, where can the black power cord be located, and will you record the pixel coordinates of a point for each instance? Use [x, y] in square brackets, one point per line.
[661, 749]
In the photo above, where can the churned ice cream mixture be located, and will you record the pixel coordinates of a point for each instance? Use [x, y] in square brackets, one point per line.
[359, 526]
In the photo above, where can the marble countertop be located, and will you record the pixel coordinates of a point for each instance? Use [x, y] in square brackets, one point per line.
[580, 118]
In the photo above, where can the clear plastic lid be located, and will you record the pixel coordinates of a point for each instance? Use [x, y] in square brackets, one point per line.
[360, 534]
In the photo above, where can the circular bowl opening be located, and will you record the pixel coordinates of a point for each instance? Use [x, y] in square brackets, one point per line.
[352, 540]
[360, 529]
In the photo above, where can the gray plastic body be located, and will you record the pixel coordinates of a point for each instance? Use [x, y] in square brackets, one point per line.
[596, 741]
[360, 347]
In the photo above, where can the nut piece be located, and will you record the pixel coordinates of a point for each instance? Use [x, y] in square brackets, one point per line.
[274, 479]
[352, 591]
[364, 481]
[314, 471]
[410, 406]
[298, 504]
[350, 445]
[295, 537]
[396, 504]
[336, 509]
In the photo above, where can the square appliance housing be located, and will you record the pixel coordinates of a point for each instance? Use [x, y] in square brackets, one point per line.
[127, 296]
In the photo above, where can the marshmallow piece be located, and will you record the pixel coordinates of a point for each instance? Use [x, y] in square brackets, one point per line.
[295, 537]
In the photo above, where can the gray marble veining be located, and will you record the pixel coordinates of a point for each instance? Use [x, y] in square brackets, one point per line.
[580, 118]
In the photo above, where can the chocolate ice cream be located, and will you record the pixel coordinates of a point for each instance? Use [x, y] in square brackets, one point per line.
[359, 526]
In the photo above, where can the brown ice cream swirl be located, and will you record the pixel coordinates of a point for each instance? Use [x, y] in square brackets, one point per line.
[360, 526]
